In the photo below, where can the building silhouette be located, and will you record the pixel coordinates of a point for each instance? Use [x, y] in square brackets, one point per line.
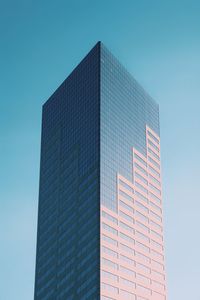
[100, 221]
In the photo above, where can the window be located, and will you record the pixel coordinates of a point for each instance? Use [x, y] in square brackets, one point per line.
[127, 271]
[153, 145]
[158, 285]
[143, 268]
[141, 196]
[109, 228]
[126, 206]
[126, 237]
[158, 274]
[141, 178]
[153, 154]
[109, 252]
[127, 259]
[109, 275]
[157, 255]
[110, 288]
[157, 265]
[141, 206]
[141, 187]
[109, 240]
[109, 217]
[154, 179]
[142, 246]
[154, 162]
[143, 257]
[145, 228]
[140, 159]
[127, 249]
[153, 137]
[156, 226]
[157, 217]
[125, 216]
[143, 289]
[154, 171]
[141, 169]
[127, 197]
[127, 282]
[141, 216]
[157, 245]
[158, 296]
[154, 189]
[157, 235]
[156, 207]
[127, 295]
[155, 198]
[109, 263]
[142, 236]
[126, 227]
[125, 185]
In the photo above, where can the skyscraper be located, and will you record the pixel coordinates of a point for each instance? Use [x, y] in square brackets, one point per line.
[100, 224]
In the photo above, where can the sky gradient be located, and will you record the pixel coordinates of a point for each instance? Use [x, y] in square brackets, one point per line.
[41, 42]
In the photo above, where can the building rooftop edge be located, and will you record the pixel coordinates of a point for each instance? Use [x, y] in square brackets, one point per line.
[100, 44]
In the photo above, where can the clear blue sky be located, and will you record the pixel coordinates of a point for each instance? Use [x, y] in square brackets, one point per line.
[41, 41]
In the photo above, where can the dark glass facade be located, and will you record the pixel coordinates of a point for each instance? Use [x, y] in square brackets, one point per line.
[89, 127]
[67, 263]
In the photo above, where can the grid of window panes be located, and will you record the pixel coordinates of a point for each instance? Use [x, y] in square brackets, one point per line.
[125, 110]
[132, 250]
[67, 262]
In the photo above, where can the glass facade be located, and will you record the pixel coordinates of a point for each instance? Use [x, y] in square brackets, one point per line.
[100, 209]
[67, 263]
[126, 109]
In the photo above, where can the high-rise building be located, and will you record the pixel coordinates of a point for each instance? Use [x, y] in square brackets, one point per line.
[100, 223]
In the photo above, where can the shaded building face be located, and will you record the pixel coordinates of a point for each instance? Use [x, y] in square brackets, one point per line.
[100, 233]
